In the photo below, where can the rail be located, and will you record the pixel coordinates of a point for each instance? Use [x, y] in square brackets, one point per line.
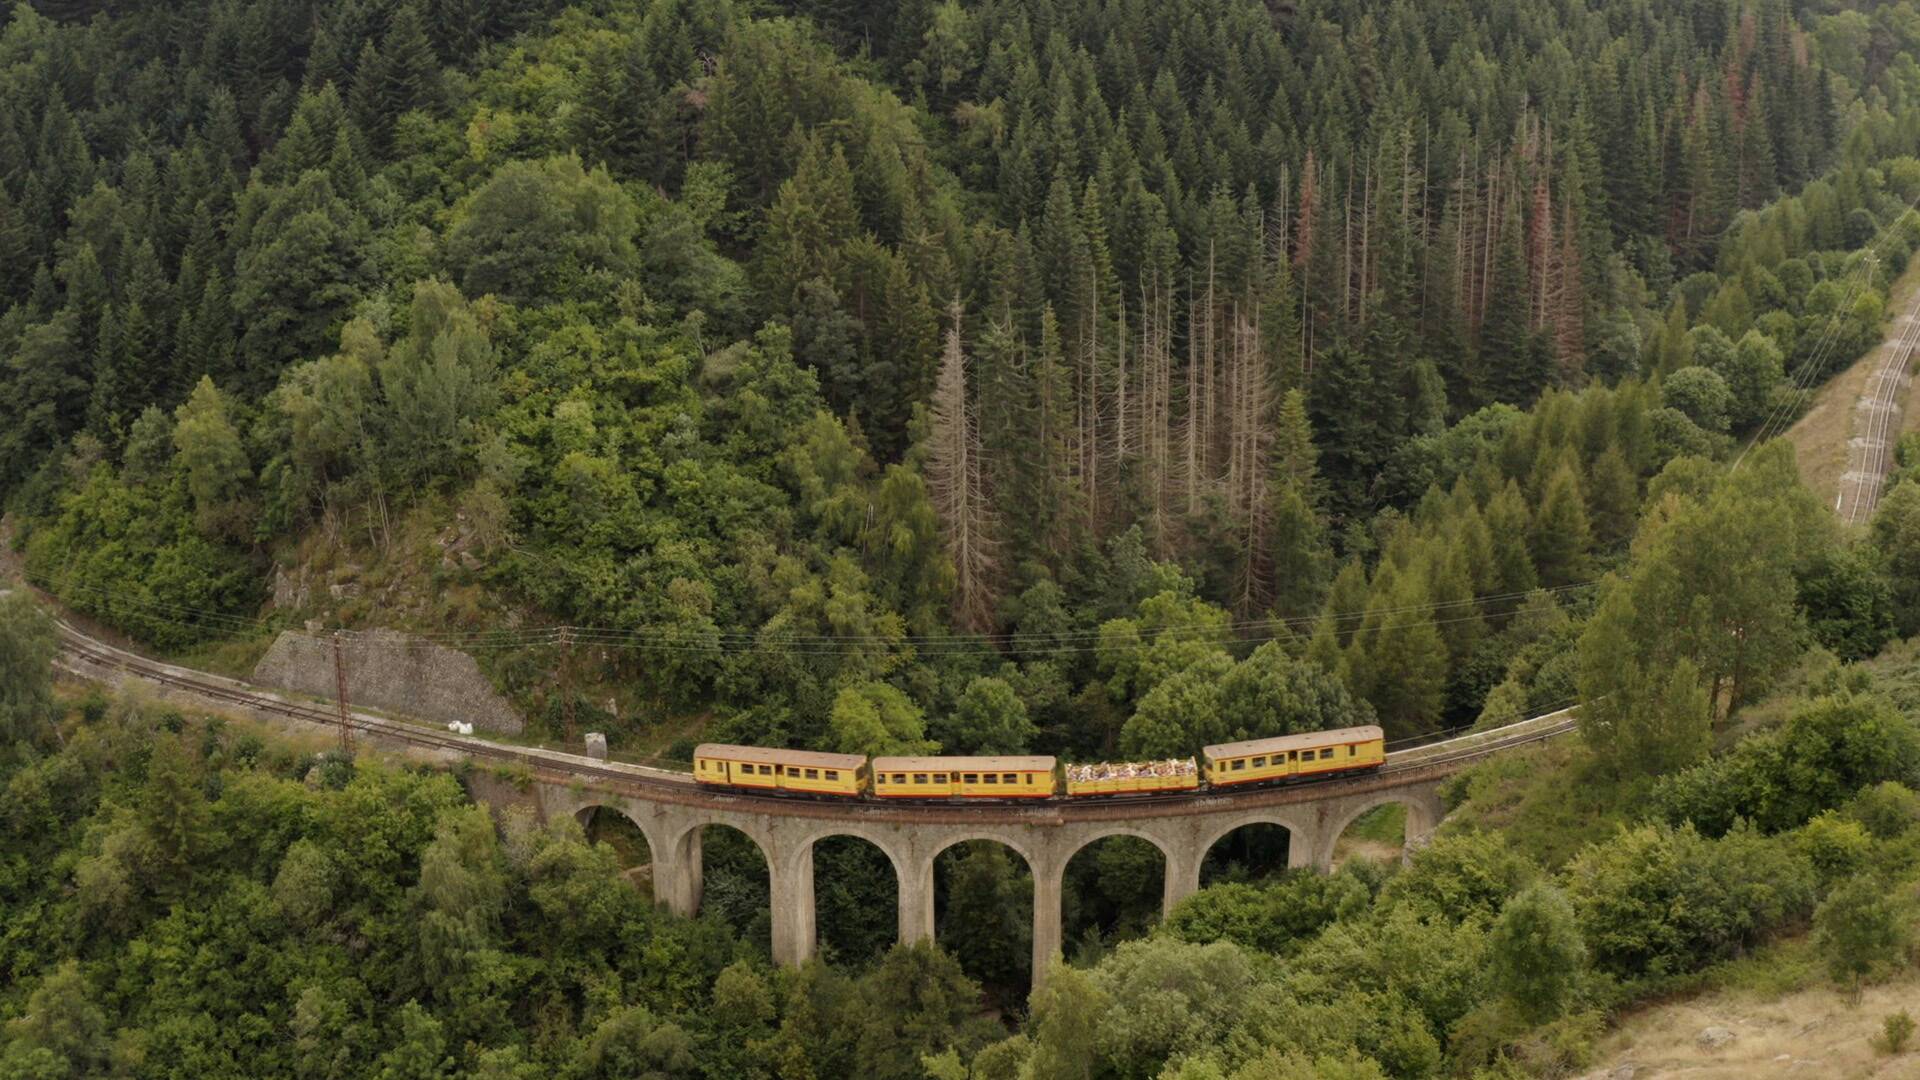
[80, 652]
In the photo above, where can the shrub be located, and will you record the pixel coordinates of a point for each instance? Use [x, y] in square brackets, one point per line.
[1657, 900]
[1885, 810]
[1274, 917]
[1459, 876]
[1895, 1030]
[1837, 847]
[1862, 929]
[1825, 753]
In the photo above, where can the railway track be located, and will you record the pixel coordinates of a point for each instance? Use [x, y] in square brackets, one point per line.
[1861, 486]
[87, 657]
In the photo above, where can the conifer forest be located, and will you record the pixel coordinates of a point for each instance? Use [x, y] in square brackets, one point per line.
[1098, 379]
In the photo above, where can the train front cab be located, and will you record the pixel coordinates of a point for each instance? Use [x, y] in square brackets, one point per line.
[800, 772]
[963, 777]
[1289, 757]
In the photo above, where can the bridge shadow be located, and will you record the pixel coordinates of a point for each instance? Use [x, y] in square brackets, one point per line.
[1252, 852]
[1112, 892]
[736, 884]
[607, 825]
[983, 915]
[856, 898]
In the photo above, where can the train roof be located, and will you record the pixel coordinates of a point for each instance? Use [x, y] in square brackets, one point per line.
[963, 764]
[759, 754]
[1339, 736]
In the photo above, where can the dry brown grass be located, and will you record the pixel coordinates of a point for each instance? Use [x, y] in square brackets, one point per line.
[1813, 1032]
[1820, 436]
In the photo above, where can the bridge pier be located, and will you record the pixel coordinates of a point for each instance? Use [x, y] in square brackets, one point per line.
[1181, 876]
[679, 874]
[795, 936]
[915, 876]
[1049, 875]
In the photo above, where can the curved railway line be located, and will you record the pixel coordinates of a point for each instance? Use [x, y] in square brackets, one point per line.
[87, 657]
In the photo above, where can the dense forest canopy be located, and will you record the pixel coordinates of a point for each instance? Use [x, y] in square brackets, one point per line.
[1103, 378]
[1089, 377]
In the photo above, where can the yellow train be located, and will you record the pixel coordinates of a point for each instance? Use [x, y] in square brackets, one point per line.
[1285, 759]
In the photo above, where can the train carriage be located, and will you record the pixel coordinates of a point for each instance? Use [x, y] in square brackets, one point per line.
[1290, 757]
[801, 772]
[1108, 778]
[964, 778]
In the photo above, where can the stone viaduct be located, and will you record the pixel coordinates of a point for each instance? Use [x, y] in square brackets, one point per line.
[1047, 837]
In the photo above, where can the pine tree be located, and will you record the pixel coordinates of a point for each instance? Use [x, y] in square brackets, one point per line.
[1560, 536]
[1511, 354]
[955, 474]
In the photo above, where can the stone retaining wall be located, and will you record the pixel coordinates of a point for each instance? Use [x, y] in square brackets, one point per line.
[394, 672]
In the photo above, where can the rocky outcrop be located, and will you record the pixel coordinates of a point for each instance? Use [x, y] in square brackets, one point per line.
[394, 672]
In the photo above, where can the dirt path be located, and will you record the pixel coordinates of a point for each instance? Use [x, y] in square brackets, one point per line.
[1825, 438]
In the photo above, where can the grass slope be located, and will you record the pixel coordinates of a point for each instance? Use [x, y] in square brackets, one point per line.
[1820, 436]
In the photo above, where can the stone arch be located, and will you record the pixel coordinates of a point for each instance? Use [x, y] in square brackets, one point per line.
[686, 850]
[1424, 811]
[1302, 850]
[586, 814]
[829, 908]
[985, 934]
[1160, 843]
[1080, 843]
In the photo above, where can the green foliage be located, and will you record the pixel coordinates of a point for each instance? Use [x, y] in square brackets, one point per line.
[1706, 613]
[1661, 901]
[27, 647]
[875, 719]
[1276, 916]
[989, 718]
[1828, 750]
[1895, 1030]
[1864, 927]
[542, 231]
[1460, 876]
[1535, 953]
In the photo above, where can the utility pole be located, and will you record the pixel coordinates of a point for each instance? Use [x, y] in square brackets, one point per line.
[566, 678]
[340, 696]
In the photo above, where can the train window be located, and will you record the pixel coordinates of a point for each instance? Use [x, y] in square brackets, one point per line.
[833, 774]
[991, 778]
[1326, 753]
[1293, 755]
[813, 774]
[1010, 778]
[878, 778]
[1239, 764]
[1259, 761]
[972, 778]
[919, 778]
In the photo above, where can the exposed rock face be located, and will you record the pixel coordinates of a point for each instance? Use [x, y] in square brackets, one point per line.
[392, 671]
[1713, 1038]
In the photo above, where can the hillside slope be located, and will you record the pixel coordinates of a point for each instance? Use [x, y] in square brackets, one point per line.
[1811, 1031]
[1820, 437]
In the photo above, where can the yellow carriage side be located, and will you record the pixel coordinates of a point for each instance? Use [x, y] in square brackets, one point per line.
[964, 777]
[798, 771]
[1289, 756]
